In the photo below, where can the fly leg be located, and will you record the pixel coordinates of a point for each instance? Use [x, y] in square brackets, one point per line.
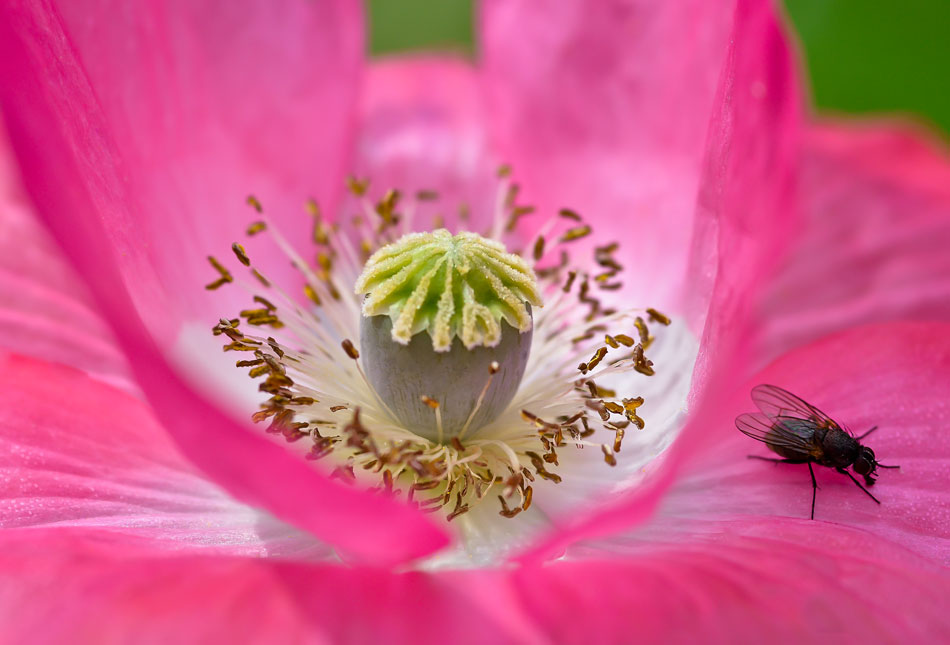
[866, 433]
[858, 484]
[814, 483]
[814, 489]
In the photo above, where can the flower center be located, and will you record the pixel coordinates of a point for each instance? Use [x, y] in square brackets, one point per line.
[444, 400]
[446, 329]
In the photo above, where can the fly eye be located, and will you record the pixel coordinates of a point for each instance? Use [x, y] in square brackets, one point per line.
[862, 466]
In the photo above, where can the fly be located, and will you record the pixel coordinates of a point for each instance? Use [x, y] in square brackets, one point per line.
[800, 433]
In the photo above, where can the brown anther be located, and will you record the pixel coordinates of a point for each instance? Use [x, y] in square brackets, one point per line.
[432, 403]
[618, 439]
[240, 347]
[350, 350]
[505, 511]
[260, 278]
[642, 330]
[539, 468]
[608, 455]
[528, 493]
[575, 233]
[255, 228]
[259, 371]
[641, 363]
[241, 254]
[567, 213]
[571, 276]
[311, 294]
[599, 408]
[613, 406]
[337, 408]
[387, 206]
[275, 346]
[538, 251]
[504, 170]
[303, 400]
[583, 368]
[357, 186]
[225, 278]
[663, 319]
[493, 367]
[597, 358]
[457, 444]
[256, 361]
[264, 301]
[313, 208]
[427, 195]
[611, 341]
[255, 203]
[630, 411]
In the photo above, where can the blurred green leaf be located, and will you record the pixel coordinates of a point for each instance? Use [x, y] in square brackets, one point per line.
[878, 55]
[863, 56]
[398, 26]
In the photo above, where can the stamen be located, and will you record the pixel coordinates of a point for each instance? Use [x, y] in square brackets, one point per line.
[318, 392]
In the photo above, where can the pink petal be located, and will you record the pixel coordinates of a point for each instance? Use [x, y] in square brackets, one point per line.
[175, 112]
[893, 375]
[89, 587]
[44, 309]
[77, 453]
[605, 109]
[72, 171]
[874, 247]
[423, 127]
[742, 222]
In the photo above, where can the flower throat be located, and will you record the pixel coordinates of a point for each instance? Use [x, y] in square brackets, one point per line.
[444, 401]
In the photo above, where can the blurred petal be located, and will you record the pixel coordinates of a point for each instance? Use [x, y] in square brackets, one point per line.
[89, 588]
[789, 584]
[892, 375]
[742, 221]
[423, 128]
[605, 109]
[875, 243]
[45, 310]
[73, 170]
[78, 453]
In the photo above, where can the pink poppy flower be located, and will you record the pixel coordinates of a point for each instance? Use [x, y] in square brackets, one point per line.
[138, 504]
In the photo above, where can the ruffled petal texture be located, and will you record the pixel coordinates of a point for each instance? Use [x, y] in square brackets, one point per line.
[45, 310]
[75, 452]
[190, 107]
[741, 222]
[605, 109]
[875, 242]
[93, 188]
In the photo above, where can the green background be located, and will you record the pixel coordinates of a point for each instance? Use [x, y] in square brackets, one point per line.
[863, 56]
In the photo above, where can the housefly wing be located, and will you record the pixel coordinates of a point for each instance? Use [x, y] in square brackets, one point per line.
[791, 438]
[780, 404]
